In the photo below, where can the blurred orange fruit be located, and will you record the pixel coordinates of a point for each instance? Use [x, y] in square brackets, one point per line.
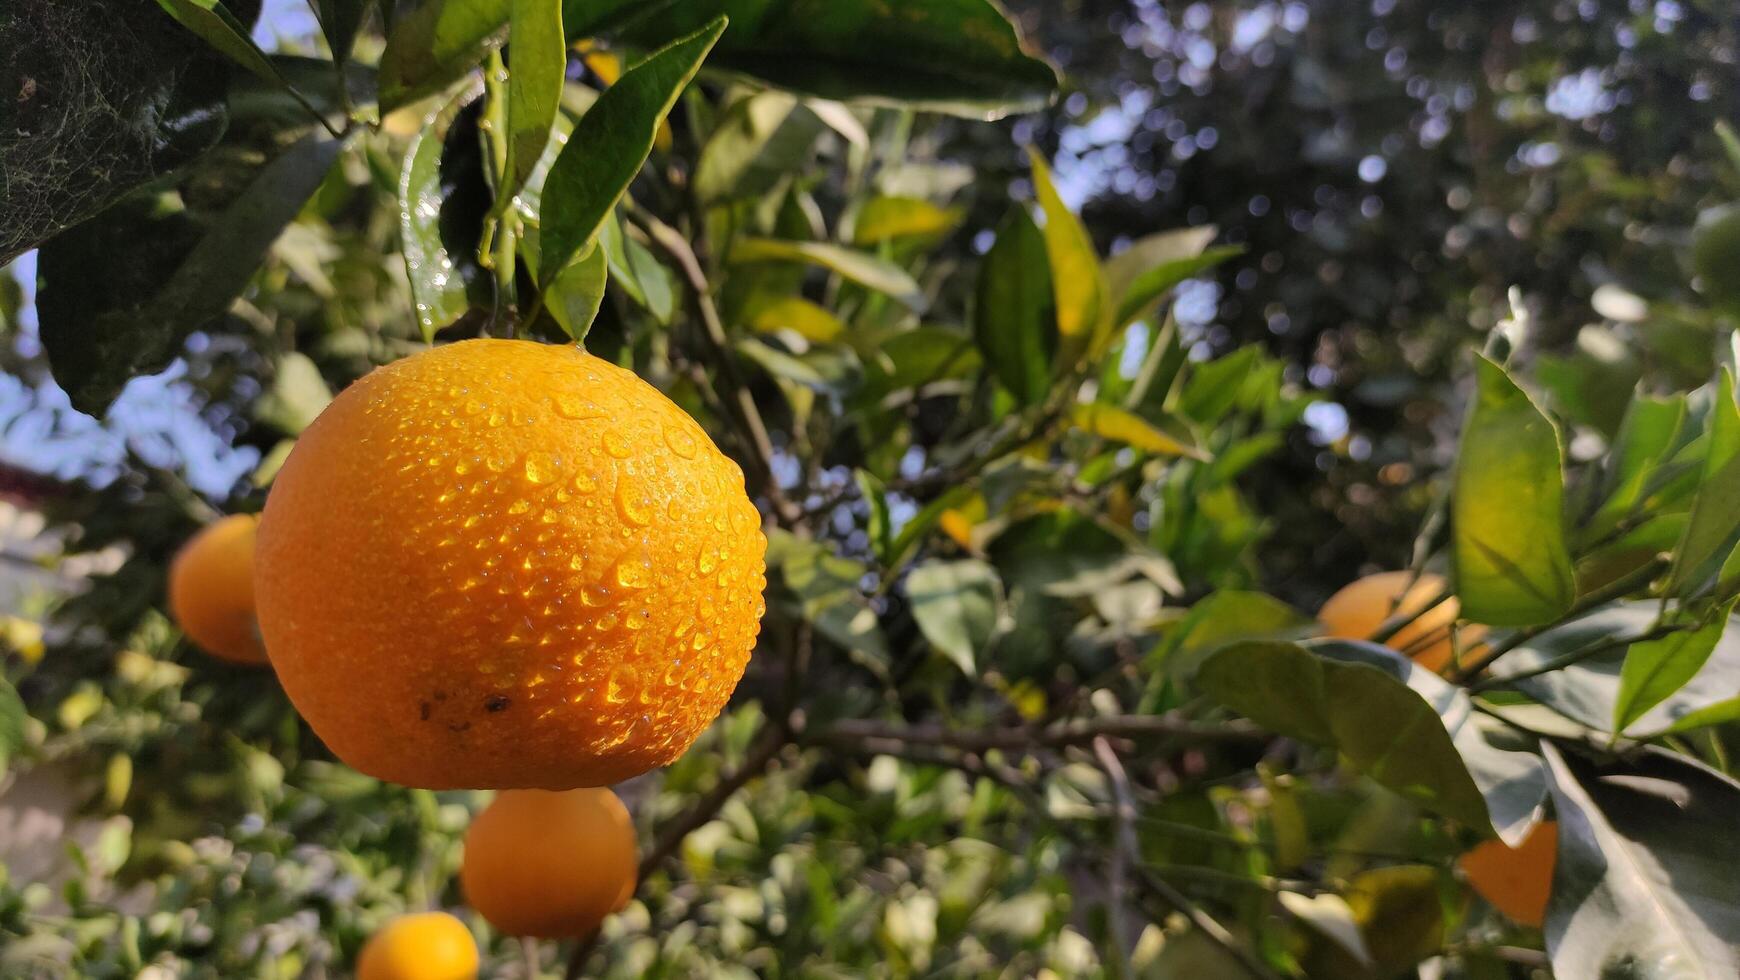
[1356, 612]
[1516, 880]
[550, 865]
[420, 946]
[211, 590]
[508, 565]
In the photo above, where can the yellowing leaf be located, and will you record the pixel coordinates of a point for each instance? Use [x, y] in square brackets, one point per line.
[1076, 279]
[886, 218]
[799, 315]
[1115, 424]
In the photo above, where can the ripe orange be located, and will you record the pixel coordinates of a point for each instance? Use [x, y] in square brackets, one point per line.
[506, 565]
[550, 865]
[1517, 881]
[1356, 612]
[420, 946]
[211, 590]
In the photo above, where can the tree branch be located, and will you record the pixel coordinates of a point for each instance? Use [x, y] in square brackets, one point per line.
[1124, 851]
[1078, 731]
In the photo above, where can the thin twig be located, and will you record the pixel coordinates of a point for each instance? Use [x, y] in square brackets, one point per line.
[1123, 853]
[1617, 589]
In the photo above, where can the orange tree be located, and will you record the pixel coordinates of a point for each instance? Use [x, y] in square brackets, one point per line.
[1017, 704]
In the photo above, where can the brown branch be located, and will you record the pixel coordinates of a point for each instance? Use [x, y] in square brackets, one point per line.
[1124, 851]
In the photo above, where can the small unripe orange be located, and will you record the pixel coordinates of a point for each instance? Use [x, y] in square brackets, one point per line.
[420, 946]
[547, 864]
[1356, 612]
[1516, 880]
[211, 590]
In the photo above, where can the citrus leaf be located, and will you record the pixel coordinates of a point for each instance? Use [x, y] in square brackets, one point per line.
[538, 63]
[890, 218]
[435, 44]
[12, 717]
[1643, 884]
[957, 56]
[762, 140]
[794, 313]
[639, 274]
[298, 394]
[1647, 434]
[1077, 284]
[442, 198]
[1109, 422]
[339, 21]
[212, 21]
[609, 144]
[1013, 320]
[1655, 669]
[577, 292]
[864, 269]
[1716, 511]
[1149, 269]
[955, 606]
[1508, 553]
[825, 589]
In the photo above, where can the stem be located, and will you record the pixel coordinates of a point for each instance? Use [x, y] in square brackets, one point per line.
[497, 244]
[1123, 852]
[1617, 589]
[1056, 735]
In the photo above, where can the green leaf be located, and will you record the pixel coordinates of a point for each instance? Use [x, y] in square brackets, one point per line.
[923, 355]
[12, 717]
[762, 140]
[1359, 703]
[577, 292]
[794, 313]
[298, 394]
[340, 21]
[1399, 914]
[1211, 388]
[1716, 512]
[609, 144]
[1077, 284]
[1508, 554]
[956, 56]
[1151, 266]
[640, 275]
[1013, 320]
[435, 44]
[862, 268]
[442, 199]
[1655, 669]
[1219, 619]
[825, 589]
[878, 526]
[536, 72]
[1643, 882]
[1109, 422]
[212, 21]
[884, 219]
[92, 361]
[955, 606]
[1588, 691]
[1647, 434]
[136, 97]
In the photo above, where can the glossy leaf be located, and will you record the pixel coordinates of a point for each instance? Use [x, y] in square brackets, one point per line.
[1109, 422]
[1013, 319]
[633, 267]
[575, 295]
[1078, 287]
[539, 61]
[956, 56]
[1508, 554]
[763, 140]
[1643, 884]
[609, 144]
[1716, 511]
[1220, 619]
[860, 267]
[339, 21]
[884, 219]
[955, 605]
[442, 200]
[1588, 691]
[1655, 669]
[435, 44]
[1646, 436]
[1151, 266]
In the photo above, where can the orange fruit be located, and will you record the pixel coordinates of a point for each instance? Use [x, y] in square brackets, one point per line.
[550, 865]
[1516, 880]
[419, 946]
[211, 590]
[1356, 612]
[507, 565]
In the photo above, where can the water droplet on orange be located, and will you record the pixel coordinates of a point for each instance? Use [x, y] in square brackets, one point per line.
[680, 441]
